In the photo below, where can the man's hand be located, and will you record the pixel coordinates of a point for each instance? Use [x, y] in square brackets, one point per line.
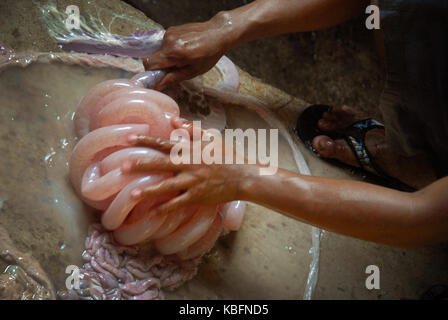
[199, 183]
[193, 49]
[190, 50]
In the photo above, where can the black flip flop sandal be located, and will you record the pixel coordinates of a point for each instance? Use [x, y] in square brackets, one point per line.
[307, 129]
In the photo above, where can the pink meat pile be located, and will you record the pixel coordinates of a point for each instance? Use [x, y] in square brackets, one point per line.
[114, 267]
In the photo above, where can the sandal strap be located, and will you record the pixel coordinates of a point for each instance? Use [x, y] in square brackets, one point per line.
[355, 136]
[367, 125]
[361, 153]
[307, 129]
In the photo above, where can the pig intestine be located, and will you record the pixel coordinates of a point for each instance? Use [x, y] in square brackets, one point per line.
[108, 114]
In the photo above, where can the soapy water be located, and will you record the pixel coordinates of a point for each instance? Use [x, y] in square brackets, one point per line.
[93, 26]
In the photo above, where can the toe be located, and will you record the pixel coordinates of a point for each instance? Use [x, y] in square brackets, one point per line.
[344, 117]
[349, 110]
[325, 146]
[337, 119]
[326, 124]
[334, 149]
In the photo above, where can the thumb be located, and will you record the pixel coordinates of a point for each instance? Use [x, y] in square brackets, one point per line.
[158, 60]
[175, 76]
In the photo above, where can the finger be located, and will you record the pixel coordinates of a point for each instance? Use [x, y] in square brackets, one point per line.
[173, 77]
[153, 164]
[158, 60]
[175, 204]
[171, 185]
[152, 142]
[180, 123]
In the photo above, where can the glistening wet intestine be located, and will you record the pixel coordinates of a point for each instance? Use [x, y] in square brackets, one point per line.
[135, 253]
[115, 272]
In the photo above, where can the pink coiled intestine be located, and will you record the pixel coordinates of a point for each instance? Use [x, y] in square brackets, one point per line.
[115, 267]
[107, 115]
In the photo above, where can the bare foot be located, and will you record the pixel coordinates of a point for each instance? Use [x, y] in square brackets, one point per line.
[414, 171]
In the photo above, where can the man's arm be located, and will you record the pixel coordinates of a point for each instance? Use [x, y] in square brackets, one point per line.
[193, 49]
[354, 208]
[266, 18]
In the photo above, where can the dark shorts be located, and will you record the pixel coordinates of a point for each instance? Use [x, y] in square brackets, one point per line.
[415, 99]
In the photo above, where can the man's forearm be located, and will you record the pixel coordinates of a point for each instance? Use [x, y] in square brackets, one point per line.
[265, 18]
[352, 208]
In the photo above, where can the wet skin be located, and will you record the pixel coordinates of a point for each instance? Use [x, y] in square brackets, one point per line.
[193, 49]
[352, 208]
